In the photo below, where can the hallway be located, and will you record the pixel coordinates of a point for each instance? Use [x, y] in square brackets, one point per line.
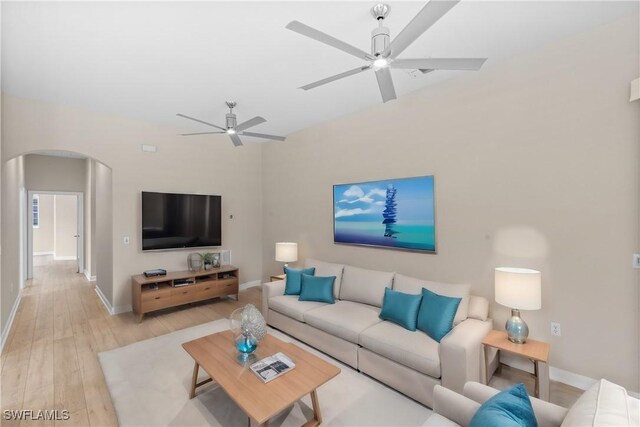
[50, 358]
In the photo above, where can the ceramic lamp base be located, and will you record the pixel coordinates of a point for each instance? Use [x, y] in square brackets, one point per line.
[517, 329]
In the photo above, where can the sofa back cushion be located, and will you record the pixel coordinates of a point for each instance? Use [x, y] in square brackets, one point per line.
[365, 286]
[604, 404]
[327, 269]
[411, 285]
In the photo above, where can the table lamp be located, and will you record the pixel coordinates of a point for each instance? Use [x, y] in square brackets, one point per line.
[519, 289]
[286, 252]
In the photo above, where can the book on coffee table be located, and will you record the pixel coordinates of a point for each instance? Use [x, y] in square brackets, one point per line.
[272, 367]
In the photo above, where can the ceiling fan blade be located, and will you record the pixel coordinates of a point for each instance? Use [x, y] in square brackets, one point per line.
[336, 77]
[386, 84]
[306, 30]
[199, 133]
[200, 121]
[235, 139]
[250, 123]
[440, 63]
[428, 16]
[264, 135]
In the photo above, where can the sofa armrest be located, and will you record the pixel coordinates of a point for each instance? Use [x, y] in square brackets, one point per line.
[547, 414]
[270, 289]
[453, 406]
[461, 355]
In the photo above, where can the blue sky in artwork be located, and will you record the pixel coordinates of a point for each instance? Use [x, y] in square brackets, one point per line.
[365, 201]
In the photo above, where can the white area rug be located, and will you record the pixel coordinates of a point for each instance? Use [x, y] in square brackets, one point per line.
[149, 383]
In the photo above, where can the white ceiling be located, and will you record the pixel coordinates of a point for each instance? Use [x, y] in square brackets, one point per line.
[151, 60]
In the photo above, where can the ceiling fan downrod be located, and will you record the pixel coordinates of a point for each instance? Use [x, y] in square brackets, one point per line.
[380, 37]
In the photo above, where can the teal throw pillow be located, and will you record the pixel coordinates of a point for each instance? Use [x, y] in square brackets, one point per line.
[509, 408]
[436, 314]
[400, 308]
[294, 278]
[317, 288]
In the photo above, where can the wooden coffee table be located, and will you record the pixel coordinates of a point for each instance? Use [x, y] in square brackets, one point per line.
[216, 354]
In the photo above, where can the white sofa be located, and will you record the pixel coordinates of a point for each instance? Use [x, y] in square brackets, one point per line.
[351, 331]
[604, 404]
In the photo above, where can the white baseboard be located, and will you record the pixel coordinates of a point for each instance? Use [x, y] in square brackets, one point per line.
[12, 316]
[64, 258]
[251, 284]
[104, 300]
[122, 309]
[570, 378]
[43, 253]
[89, 278]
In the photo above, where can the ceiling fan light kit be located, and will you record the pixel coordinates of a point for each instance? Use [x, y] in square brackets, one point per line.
[384, 51]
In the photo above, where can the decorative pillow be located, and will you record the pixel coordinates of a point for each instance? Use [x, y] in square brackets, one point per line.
[509, 408]
[603, 404]
[293, 279]
[317, 288]
[327, 269]
[400, 308]
[436, 314]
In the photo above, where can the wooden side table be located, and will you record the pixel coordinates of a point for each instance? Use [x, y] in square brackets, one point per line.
[278, 277]
[535, 351]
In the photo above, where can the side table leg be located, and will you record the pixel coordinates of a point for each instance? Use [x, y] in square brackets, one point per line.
[536, 373]
[194, 379]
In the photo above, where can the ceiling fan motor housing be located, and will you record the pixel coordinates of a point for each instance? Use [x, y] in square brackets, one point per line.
[380, 40]
[231, 120]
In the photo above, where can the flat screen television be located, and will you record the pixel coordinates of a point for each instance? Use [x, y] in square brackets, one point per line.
[174, 221]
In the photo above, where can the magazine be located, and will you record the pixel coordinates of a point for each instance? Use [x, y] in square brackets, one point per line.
[272, 367]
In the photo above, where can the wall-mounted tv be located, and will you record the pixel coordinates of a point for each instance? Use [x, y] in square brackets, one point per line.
[174, 221]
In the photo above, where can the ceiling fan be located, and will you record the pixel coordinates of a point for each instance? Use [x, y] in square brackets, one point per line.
[384, 54]
[234, 129]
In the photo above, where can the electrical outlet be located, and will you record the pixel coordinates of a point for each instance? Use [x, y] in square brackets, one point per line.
[555, 329]
[126, 240]
[636, 260]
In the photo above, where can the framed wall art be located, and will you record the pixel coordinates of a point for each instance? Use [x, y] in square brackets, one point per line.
[392, 213]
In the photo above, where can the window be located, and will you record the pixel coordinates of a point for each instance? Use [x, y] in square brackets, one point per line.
[36, 211]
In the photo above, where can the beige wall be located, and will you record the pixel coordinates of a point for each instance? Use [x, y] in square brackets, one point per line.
[197, 165]
[536, 164]
[104, 230]
[66, 226]
[49, 173]
[44, 234]
[12, 184]
[89, 219]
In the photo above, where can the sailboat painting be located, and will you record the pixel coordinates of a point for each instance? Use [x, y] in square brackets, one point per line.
[394, 213]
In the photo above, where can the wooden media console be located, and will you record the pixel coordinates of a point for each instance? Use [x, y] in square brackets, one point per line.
[181, 287]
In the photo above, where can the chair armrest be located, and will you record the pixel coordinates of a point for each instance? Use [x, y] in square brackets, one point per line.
[270, 289]
[547, 414]
[461, 353]
[453, 406]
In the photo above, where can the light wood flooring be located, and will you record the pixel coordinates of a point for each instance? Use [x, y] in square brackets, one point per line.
[50, 358]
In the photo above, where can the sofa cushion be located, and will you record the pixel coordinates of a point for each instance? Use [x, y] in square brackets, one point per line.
[411, 285]
[603, 404]
[293, 279]
[509, 408]
[327, 269]
[365, 286]
[291, 307]
[415, 350]
[317, 288]
[436, 313]
[344, 319]
[400, 308]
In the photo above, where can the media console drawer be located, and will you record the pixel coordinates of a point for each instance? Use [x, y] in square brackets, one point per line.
[155, 293]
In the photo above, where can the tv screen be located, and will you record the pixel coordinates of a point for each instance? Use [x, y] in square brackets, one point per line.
[173, 221]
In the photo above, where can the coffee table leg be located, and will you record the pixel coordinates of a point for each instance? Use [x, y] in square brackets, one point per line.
[317, 416]
[194, 379]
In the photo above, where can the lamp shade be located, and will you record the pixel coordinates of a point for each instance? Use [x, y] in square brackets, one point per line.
[518, 288]
[286, 252]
